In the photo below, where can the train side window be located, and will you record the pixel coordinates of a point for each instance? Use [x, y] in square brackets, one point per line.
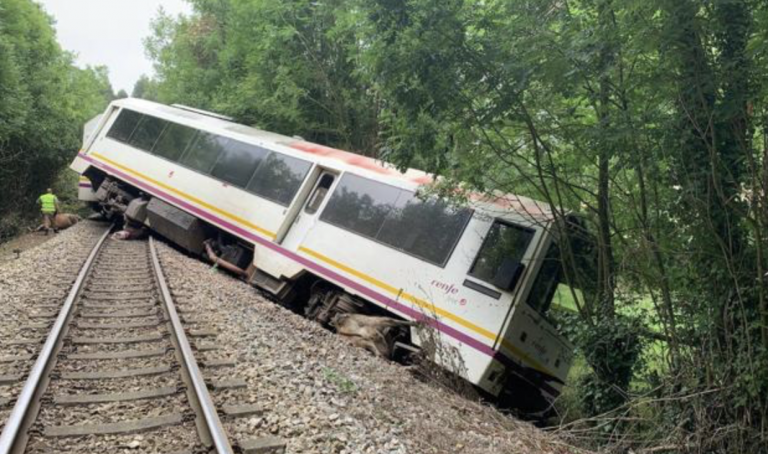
[279, 178]
[503, 244]
[147, 133]
[124, 126]
[174, 141]
[319, 194]
[360, 205]
[428, 229]
[238, 162]
[204, 152]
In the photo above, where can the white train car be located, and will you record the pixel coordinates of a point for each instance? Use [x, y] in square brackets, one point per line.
[342, 233]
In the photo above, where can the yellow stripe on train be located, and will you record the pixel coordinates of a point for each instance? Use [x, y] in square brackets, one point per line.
[191, 198]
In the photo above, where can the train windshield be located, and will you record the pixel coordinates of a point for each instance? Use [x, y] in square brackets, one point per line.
[567, 275]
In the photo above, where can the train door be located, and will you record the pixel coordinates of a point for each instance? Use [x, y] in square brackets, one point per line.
[503, 264]
[528, 333]
[307, 216]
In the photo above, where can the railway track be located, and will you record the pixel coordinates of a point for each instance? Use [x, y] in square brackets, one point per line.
[116, 370]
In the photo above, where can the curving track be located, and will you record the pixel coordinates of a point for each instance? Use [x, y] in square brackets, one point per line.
[116, 371]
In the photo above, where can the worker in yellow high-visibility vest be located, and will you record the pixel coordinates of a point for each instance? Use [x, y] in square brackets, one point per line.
[49, 206]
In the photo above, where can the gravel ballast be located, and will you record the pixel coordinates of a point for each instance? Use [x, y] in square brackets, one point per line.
[37, 282]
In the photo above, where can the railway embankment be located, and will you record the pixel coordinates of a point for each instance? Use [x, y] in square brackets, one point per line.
[315, 391]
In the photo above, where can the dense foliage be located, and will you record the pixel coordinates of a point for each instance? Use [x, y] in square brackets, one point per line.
[647, 117]
[44, 102]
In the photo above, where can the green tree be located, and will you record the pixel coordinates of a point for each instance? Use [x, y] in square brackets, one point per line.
[145, 88]
[599, 107]
[44, 101]
[284, 66]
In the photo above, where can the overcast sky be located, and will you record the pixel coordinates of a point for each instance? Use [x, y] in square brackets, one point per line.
[110, 32]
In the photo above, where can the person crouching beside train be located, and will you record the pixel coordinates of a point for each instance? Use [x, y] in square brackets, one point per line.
[49, 206]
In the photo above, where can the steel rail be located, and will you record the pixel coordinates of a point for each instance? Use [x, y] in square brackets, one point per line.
[218, 434]
[20, 410]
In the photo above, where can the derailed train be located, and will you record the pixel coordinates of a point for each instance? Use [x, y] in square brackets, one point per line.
[338, 233]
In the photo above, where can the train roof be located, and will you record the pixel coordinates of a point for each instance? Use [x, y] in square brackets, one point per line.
[496, 203]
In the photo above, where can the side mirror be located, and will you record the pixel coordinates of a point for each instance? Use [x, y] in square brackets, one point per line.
[508, 274]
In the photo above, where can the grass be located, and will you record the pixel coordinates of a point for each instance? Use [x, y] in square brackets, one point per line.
[342, 383]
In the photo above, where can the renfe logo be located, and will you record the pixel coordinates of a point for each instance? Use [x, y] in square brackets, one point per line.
[448, 289]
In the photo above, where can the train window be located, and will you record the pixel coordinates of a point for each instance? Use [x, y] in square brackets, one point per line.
[503, 242]
[147, 132]
[174, 141]
[360, 205]
[428, 229]
[123, 127]
[279, 178]
[326, 181]
[238, 162]
[204, 152]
